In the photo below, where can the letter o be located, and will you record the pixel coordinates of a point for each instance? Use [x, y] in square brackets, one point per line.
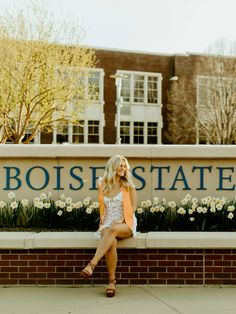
[27, 178]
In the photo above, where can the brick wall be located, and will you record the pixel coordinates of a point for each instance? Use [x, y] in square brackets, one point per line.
[135, 266]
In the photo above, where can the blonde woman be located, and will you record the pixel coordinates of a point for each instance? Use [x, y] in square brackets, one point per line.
[117, 202]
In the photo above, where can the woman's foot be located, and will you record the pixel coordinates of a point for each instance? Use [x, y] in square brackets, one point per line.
[88, 271]
[111, 288]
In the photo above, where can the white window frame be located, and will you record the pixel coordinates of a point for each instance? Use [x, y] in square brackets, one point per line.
[85, 115]
[126, 116]
[146, 75]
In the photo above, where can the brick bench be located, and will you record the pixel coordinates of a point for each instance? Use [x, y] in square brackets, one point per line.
[164, 258]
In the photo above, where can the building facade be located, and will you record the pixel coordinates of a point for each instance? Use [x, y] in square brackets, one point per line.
[132, 105]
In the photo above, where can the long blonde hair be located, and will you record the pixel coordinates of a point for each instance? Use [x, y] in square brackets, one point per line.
[110, 174]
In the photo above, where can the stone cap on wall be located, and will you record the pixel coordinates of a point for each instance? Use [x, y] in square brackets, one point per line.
[105, 151]
[53, 240]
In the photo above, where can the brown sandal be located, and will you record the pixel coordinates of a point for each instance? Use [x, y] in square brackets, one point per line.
[86, 274]
[110, 292]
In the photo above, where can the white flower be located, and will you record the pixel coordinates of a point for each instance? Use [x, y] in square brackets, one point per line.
[11, 195]
[219, 206]
[24, 202]
[181, 211]
[144, 204]
[63, 197]
[60, 212]
[95, 204]
[164, 201]
[43, 196]
[212, 204]
[36, 199]
[155, 200]
[204, 210]
[190, 211]
[188, 197]
[139, 210]
[171, 204]
[69, 208]
[39, 205]
[2, 204]
[194, 206]
[68, 200]
[86, 202]
[14, 204]
[191, 218]
[231, 208]
[204, 201]
[89, 210]
[184, 201]
[230, 215]
[78, 205]
[46, 205]
[152, 210]
[149, 203]
[223, 200]
[194, 200]
[60, 204]
[162, 209]
[212, 209]
[199, 209]
[209, 199]
[49, 194]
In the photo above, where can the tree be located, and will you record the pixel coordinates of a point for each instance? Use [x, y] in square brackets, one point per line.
[203, 106]
[181, 112]
[216, 105]
[41, 68]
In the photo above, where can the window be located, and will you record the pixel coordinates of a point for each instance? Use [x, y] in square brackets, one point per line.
[83, 133]
[152, 90]
[93, 131]
[62, 134]
[125, 132]
[138, 132]
[92, 85]
[78, 133]
[140, 87]
[152, 133]
[125, 91]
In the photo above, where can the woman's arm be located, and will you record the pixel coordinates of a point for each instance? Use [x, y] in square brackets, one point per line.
[133, 197]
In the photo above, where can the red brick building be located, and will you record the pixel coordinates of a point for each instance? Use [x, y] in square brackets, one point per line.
[136, 100]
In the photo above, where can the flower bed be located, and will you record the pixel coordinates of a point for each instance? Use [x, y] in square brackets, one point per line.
[192, 214]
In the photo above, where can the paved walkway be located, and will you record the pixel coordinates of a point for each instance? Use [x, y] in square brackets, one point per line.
[129, 299]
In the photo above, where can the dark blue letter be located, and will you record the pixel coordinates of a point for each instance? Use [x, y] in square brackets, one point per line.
[159, 181]
[9, 177]
[77, 178]
[201, 187]
[182, 178]
[221, 178]
[27, 178]
[136, 176]
[58, 177]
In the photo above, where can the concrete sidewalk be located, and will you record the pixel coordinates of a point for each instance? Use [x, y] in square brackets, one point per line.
[129, 299]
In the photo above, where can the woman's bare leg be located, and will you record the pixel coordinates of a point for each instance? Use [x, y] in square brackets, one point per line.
[120, 231]
[111, 260]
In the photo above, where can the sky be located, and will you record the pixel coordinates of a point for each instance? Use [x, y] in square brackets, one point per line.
[159, 26]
